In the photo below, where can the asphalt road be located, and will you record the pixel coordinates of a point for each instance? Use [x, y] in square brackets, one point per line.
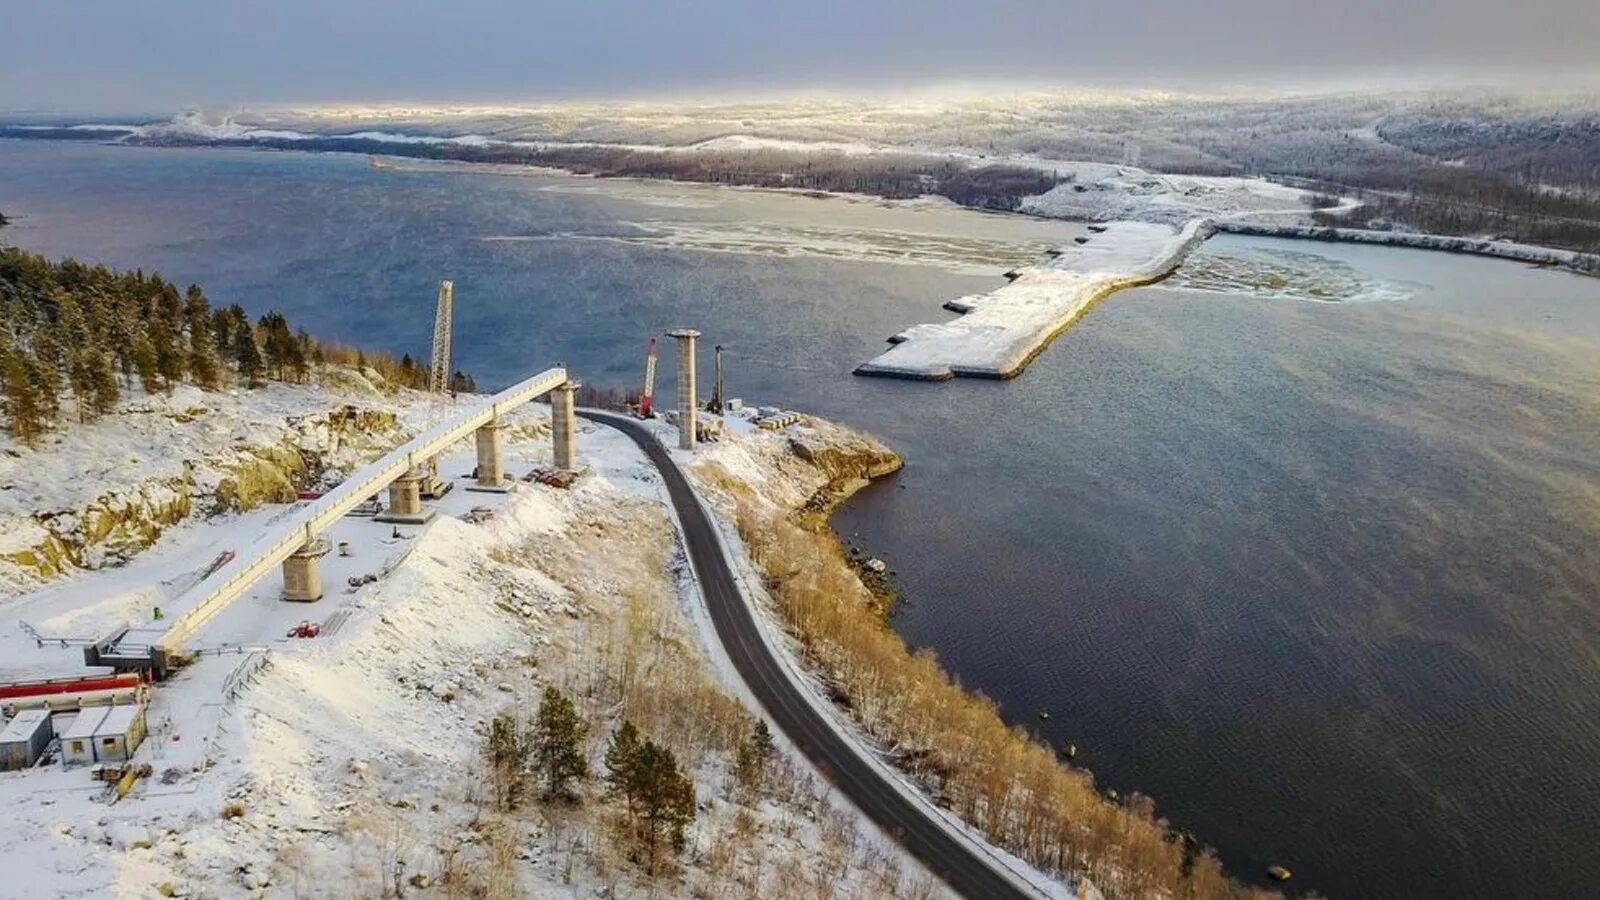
[964, 869]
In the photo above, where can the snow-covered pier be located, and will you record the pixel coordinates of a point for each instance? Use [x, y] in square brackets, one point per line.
[1002, 331]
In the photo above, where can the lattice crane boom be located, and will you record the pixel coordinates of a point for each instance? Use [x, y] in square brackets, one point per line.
[647, 399]
[444, 315]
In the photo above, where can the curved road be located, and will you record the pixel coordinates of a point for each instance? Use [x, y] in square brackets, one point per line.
[961, 866]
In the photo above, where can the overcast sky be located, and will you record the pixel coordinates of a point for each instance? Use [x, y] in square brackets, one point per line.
[107, 55]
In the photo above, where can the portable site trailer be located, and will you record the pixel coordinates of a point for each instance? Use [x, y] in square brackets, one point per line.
[77, 742]
[120, 734]
[24, 739]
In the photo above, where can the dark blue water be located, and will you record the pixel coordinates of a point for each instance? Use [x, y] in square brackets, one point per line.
[1321, 578]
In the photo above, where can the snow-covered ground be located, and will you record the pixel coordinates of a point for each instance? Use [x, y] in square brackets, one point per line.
[95, 495]
[1000, 332]
[1102, 192]
[340, 765]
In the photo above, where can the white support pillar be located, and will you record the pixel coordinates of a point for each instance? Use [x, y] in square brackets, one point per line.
[405, 500]
[302, 570]
[688, 407]
[564, 425]
[491, 441]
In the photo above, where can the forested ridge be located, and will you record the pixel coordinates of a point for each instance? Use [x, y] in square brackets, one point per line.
[74, 338]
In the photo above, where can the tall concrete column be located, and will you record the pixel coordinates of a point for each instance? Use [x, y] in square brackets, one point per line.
[405, 500]
[564, 424]
[302, 571]
[491, 458]
[688, 408]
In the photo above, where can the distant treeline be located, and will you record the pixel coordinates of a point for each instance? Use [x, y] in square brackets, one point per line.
[897, 176]
[1497, 193]
[79, 336]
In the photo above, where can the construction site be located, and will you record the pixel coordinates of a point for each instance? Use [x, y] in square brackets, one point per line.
[285, 576]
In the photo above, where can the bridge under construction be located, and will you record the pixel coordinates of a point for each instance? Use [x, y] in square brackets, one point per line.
[297, 545]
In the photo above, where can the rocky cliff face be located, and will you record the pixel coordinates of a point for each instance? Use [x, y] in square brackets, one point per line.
[845, 460]
[807, 469]
[306, 451]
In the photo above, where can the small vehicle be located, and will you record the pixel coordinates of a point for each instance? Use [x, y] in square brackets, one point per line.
[305, 630]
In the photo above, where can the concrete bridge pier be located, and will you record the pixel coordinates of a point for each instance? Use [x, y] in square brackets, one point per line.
[491, 476]
[688, 408]
[431, 486]
[405, 500]
[302, 571]
[564, 424]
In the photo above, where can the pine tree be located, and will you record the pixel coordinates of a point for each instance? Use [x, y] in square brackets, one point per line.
[222, 332]
[754, 754]
[145, 362]
[507, 751]
[558, 743]
[309, 352]
[282, 349]
[23, 415]
[663, 797]
[73, 331]
[245, 352]
[202, 360]
[165, 326]
[103, 389]
[621, 754]
[44, 366]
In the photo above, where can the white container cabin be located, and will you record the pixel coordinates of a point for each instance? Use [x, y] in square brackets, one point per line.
[77, 742]
[119, 734]
[24, 739]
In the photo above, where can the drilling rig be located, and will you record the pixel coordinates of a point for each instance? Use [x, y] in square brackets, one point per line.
[648, 397]
[716, 403]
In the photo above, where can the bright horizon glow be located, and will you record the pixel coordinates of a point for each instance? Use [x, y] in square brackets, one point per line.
[111, 56]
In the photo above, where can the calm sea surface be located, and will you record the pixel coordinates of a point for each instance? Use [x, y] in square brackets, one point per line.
[1305, 543]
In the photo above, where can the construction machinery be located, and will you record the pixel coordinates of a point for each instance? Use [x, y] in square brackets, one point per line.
[647, 398]
[716, 404]
[443, 316]
[434, 487]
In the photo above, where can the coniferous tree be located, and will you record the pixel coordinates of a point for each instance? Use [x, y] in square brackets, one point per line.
[147, 363]
[73, 331]
[202, 359]
[558, 736]
[103, 389]
[245, 351]
[166, 333]
[24, 416]
[310, 352]
[754, 754]
[44, 367]
[222, 332]
[621, 755]
[663, 797]
[507, 751]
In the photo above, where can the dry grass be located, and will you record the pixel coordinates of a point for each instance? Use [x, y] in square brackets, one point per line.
[999, 779]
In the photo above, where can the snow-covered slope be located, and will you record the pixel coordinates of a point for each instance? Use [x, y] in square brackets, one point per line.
[348, 764]
[96, 494]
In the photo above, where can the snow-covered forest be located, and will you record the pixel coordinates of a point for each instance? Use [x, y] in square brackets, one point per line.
[79, 335]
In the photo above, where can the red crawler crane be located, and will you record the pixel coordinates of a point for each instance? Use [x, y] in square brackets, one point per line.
[648, 397]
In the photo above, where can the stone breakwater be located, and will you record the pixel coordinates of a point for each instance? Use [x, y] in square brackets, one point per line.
[1587, 263]
[1002, 331]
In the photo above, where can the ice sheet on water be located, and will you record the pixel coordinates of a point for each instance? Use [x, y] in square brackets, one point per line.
[1283, 274]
